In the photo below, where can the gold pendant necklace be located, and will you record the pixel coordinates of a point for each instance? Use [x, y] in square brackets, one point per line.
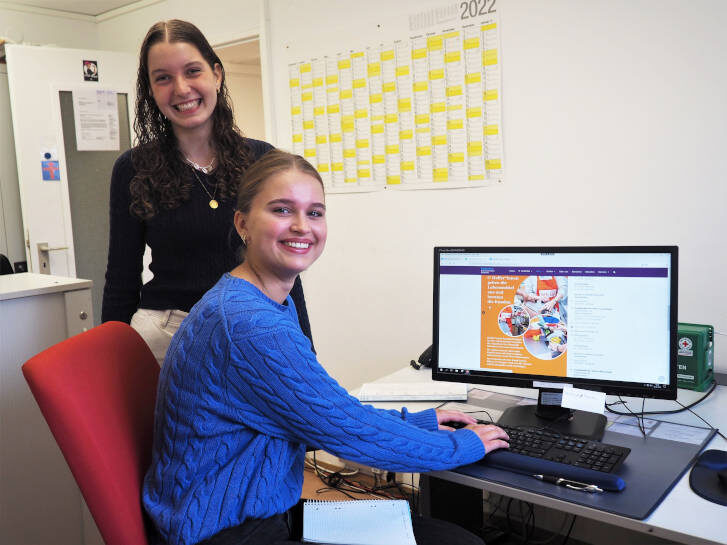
[213, 202]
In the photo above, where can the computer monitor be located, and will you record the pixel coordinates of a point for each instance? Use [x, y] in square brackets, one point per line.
[598, 318]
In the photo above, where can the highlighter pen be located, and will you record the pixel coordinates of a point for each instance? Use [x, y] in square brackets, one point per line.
[574, 485]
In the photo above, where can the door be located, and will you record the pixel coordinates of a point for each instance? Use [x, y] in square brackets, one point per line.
[38, 77]
[89, 173]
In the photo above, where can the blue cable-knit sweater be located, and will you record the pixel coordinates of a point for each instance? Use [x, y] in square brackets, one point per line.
[241, 394]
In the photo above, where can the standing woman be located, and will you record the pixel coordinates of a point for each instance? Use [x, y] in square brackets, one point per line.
[175, 191]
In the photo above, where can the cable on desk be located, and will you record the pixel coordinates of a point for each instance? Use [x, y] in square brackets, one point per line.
[703, 420]
[674, 411]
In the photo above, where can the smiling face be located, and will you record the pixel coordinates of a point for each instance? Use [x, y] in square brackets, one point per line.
[183, 84]
[285, 227]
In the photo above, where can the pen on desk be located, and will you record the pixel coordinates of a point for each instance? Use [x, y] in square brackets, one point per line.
[568, 483]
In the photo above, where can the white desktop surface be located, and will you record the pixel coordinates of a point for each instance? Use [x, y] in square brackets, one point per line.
[682, 515]
[14, 286]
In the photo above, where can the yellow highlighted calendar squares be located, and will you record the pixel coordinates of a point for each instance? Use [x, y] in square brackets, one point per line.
[489, 57]
[387, 55]
[493, 164]
[434, 43]
[419, 53]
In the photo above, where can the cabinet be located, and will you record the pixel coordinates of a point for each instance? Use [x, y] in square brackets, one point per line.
[40, 503]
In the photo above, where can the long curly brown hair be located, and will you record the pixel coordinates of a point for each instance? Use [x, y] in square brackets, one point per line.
[163, 180]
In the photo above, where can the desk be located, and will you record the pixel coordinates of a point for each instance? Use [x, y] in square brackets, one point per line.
[39, 500]
[682, 516]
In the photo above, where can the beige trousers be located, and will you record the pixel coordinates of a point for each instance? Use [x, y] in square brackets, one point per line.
[157, 327]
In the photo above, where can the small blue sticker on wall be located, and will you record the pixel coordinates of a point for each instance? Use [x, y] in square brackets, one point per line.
[51, 170]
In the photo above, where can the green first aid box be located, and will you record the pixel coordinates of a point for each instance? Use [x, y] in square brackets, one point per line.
[695, 356]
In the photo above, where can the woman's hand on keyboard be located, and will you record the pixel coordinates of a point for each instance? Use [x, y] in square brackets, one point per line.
[492, 437]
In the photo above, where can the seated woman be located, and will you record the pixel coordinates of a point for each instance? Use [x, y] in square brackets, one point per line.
[241, 393]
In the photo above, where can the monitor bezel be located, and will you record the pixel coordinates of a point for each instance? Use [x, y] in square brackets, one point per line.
[526, 381]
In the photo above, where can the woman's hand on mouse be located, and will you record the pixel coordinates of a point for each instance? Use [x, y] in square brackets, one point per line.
[444, 416]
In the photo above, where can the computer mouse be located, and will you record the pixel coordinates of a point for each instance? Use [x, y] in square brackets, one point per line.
[455, 425]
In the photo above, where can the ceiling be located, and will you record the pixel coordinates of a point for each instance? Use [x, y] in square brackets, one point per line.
[79, 7]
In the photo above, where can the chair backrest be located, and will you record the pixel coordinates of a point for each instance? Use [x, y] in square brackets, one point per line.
[97, 392]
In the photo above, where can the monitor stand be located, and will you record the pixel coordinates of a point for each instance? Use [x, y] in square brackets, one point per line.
[549, 414]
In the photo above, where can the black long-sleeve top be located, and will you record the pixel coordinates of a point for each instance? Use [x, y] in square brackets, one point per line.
[191, 247]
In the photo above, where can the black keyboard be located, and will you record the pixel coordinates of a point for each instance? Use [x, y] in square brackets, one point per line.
[566, 449]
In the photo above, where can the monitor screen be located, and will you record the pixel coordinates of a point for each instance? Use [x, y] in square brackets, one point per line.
[601, 318]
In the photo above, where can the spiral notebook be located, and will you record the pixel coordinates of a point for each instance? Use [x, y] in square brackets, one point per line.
[358, 522]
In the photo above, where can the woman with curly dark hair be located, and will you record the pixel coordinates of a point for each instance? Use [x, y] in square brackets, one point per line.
[175, 191]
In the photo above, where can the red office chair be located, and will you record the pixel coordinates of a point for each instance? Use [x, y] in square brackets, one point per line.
[97, 392]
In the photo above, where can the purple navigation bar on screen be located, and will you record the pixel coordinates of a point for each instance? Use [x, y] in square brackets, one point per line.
[650, 272]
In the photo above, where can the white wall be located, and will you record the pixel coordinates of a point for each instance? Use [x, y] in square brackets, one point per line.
[613, 125]
[34, 26]
[221, 21]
